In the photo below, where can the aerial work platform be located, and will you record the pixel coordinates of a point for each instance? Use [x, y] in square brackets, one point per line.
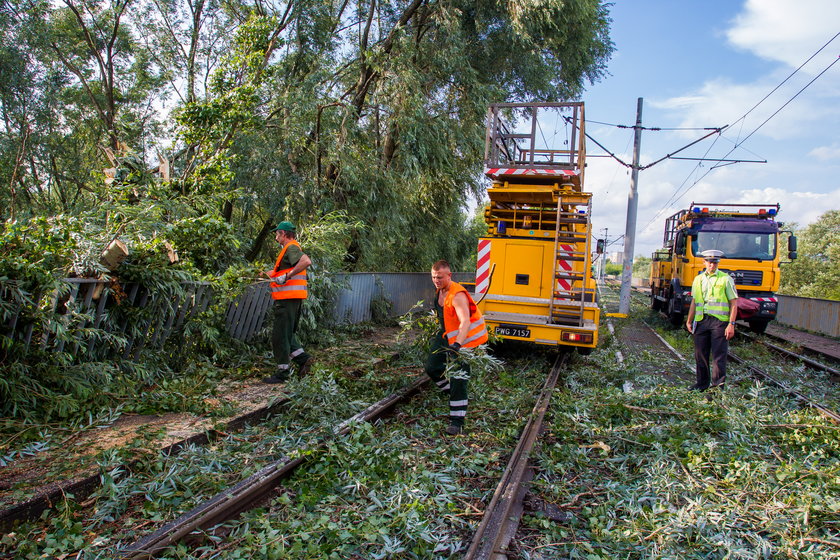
[533, 278]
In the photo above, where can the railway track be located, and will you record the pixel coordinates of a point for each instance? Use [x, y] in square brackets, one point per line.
[813, 364]
[257, 488]
[759, 373]
[501, 518]
[83, 485]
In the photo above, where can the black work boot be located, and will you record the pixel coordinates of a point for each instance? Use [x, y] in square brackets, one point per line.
[454, 429]
[281, 376]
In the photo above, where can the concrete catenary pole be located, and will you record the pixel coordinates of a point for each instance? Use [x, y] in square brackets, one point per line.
[632, 204]
[604, 254]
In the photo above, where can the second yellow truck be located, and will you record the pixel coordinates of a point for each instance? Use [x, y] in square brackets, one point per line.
[748, 235]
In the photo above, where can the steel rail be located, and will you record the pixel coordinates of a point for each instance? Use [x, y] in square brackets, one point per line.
[813, 364]
[500, 521]
[253, 490]
[756, 372]
[87, 482]
[828, 413]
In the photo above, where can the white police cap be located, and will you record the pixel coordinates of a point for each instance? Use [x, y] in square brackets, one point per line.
[712, 255]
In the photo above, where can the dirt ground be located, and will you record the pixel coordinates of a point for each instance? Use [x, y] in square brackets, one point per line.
[75, 457]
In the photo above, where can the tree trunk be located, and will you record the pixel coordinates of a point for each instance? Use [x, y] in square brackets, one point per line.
[256, 246]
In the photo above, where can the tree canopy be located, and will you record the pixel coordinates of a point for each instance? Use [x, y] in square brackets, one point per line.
[200, 123]
[816, 272]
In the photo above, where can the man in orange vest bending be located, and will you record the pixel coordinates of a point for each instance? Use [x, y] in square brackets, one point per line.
[288, 290]
[461, 326]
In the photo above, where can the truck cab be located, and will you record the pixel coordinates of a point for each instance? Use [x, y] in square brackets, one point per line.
[749, 237]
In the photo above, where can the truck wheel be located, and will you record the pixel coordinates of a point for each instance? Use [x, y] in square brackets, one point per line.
[654, 303]
[758, 326]
[675, 317]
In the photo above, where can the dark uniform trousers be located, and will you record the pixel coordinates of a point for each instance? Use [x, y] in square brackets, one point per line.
[456, 387]
[284, 341]
[710, 336]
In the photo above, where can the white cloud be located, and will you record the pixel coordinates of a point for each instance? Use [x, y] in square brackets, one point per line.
[799, 139]
[825, 153]
[784, 31]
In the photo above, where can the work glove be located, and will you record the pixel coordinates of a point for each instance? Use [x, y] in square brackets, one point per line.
[281, 279]
[454, 349]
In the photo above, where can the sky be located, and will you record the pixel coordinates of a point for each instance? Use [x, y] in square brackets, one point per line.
[708, 63]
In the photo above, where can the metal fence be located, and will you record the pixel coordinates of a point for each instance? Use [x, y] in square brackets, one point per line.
[391, 293]
[815, 315]
[368, 294]
[146, 318]
[246, 314]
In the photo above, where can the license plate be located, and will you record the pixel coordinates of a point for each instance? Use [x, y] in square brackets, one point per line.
[513, 330]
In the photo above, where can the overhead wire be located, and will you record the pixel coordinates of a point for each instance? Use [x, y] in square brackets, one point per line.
[679, 192]
[810, 58]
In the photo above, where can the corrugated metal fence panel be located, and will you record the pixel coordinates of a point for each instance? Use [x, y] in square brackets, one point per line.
[402, 290]
[405, 290]
[353, 303]
[816, 315]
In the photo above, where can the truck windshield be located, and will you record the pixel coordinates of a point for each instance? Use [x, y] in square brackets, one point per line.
[757, 246]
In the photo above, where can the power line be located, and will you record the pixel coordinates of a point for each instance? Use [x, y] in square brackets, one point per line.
[763, 99]
[737, 144]
[827, 68]
[652, 128]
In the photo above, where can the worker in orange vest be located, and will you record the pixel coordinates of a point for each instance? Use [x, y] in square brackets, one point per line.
[461, 326]
[288, 290]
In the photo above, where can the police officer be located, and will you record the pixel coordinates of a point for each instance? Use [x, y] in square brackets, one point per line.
[461, 326]
[288, 290]
[711, 318]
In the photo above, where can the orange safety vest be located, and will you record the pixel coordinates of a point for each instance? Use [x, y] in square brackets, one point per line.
[477, 331]
[295, 286]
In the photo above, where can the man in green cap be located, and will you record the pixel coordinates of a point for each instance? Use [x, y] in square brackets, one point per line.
[288, 290]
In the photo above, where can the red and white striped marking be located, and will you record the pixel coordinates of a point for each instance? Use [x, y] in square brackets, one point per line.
[482, 267]
[567, 250]
[770, 299]
[494, 171]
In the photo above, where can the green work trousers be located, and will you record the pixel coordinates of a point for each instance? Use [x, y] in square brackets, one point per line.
[284, 341]
[456, 386]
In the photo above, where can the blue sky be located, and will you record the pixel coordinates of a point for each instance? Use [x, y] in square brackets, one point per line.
[706, 64]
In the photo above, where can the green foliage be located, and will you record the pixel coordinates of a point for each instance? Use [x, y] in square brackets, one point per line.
[815, 272]
[612, 269]
[641, 267]
[38, 251]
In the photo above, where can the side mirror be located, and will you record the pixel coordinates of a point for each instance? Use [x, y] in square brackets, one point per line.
[792, 255]
[599, 246]
[792, 244]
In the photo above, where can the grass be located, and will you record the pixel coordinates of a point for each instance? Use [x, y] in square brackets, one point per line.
[658, 472]
[644, 468]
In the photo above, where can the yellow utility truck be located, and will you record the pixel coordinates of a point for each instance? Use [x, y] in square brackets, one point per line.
[534, 277]
[748, 235]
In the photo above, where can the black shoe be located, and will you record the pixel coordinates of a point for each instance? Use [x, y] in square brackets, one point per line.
[719, 387]
[454, 430]
[305, 367]
[698, 387]
[274, 379]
